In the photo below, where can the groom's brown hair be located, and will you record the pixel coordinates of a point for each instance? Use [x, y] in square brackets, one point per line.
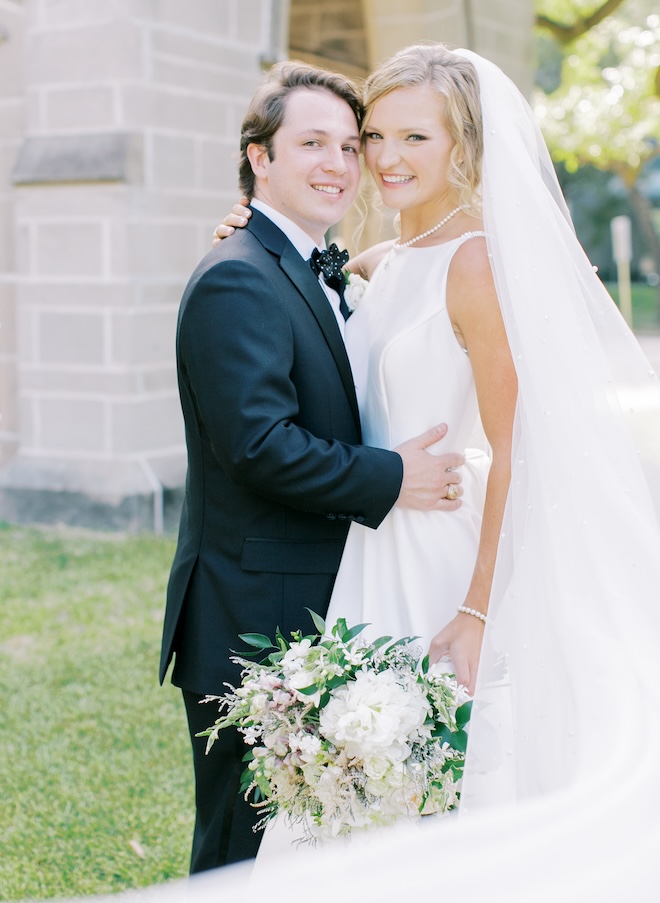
[266, 112]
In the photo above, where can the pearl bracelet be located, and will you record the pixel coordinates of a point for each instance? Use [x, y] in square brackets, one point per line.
[473, 612]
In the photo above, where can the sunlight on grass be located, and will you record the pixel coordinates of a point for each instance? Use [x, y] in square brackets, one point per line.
[95, 773]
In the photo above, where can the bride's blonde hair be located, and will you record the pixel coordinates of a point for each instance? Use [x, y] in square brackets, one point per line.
[455, 79]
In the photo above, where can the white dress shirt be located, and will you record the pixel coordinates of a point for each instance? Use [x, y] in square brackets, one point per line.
[304, 245]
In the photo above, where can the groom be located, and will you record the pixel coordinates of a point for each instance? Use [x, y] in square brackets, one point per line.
[276, 472]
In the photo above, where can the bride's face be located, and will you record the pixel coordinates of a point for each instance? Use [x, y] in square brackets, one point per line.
[407, 148]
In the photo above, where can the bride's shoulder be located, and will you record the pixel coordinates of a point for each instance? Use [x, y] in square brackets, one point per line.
[470, 276]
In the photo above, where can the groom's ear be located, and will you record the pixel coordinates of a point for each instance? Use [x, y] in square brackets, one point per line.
[259, 158]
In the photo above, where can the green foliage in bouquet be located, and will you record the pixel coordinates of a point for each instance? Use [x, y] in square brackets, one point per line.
[346, 734]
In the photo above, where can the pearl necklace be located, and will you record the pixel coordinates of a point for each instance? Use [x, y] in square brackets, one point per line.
[399, 245]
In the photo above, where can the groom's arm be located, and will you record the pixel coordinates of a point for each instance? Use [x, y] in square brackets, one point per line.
[236, 352]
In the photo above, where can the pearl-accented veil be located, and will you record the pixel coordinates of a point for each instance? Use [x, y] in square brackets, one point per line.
[573, 644]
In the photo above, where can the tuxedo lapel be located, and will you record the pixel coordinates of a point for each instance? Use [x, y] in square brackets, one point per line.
[306, 283]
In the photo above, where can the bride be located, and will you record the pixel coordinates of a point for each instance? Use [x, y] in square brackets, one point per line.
[487, 312]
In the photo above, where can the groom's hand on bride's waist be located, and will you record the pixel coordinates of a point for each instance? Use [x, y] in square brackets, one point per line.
[428, 478]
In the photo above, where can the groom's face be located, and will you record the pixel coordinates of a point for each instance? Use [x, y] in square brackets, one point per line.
[314, 172]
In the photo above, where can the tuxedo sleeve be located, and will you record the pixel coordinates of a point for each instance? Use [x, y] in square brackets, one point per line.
[236, 353]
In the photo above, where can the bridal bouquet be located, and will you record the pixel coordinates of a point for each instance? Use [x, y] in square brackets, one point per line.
[346, 734]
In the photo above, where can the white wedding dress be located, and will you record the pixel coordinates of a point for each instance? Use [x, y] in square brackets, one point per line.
[408, 577]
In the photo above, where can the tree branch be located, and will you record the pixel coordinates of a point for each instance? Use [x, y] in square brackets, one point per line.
[566, 33]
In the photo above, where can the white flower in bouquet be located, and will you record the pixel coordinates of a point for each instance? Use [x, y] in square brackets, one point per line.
[371, 715]
[344, 734]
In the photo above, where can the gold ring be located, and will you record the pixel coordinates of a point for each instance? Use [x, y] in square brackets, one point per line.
[452, 491]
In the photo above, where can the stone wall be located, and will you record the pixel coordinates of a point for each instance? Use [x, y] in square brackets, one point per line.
[133, 110]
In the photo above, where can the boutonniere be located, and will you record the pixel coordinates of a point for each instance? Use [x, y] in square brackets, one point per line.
[354, 289]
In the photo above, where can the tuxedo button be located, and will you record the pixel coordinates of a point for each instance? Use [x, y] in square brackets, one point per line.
[359, 519]
[331, 516]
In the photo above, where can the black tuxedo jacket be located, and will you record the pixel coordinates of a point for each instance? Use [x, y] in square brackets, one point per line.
[275, 469]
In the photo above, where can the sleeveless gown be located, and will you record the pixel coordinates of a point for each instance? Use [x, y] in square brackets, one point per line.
[408, 577]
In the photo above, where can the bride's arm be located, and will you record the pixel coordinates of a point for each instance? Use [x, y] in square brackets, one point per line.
[363, 264]
[475, 313]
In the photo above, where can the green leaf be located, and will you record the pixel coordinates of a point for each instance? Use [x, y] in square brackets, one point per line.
[463, 713]
[459, 740]
[442, 733]
[404, 641]
[339, 628]
[308, 691]
[258, 640]
[319, 623]
[353, 632]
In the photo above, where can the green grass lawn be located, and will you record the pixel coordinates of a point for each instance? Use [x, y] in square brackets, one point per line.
[95, 773]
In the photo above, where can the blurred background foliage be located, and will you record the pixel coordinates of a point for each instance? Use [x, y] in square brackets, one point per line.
[597, 98]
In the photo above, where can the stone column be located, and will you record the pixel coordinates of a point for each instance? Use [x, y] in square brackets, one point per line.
[12, 127]
[128, 160]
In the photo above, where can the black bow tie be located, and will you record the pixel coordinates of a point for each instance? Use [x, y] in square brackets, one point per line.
[329, 264]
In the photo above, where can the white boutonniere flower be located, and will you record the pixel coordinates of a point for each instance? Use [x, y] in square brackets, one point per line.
[356, 286]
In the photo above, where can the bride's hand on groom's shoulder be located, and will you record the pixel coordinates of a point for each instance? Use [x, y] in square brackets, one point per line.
[236, 219]
[460, 641]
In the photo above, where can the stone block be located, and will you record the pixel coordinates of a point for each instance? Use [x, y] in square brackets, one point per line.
[96, 53]
[12, 118]
[38, 379]
[162, 250]
[208, 80]
[25, 249]
[212, 51]
[70, 249]
[159, 379]
[7, 249]
[143, 337]
[72, 424]
[163, 108]
[97, 296]
[174, 162]
[7, 322]
[191, 206]
[12, 26]
[220, 166]
[28, 422]
[161, 294]
[81, 157]
[87, 107]
[75, 12]
[8, 399]
[71, 338]
[146, 425]
[207, 17]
